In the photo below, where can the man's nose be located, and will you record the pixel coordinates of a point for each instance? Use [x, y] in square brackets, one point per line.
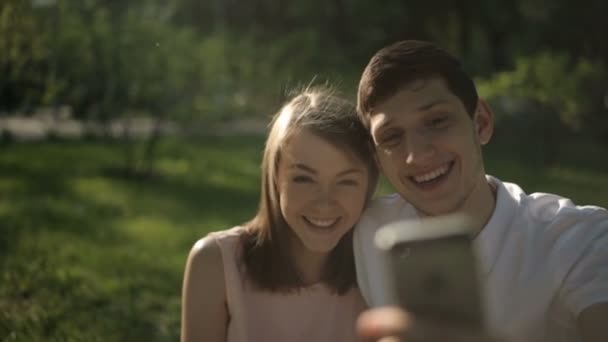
[418, 148]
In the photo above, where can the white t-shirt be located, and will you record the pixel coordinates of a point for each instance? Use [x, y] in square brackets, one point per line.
[543, 261]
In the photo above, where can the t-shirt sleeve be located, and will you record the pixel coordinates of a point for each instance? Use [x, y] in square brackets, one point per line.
[586, 282]
[372, 275]
[360, 242]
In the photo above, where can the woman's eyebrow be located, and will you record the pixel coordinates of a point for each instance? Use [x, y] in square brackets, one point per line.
[349, 171]
[303, 167]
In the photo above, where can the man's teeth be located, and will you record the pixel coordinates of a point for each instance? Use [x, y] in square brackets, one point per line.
[322, 223]
[432, 175]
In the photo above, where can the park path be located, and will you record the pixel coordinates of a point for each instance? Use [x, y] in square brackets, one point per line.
[36, 128]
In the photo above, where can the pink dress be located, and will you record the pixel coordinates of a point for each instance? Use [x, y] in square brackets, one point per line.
[312, 314]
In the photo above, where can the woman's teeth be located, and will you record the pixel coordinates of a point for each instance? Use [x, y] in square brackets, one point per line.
[324, 223]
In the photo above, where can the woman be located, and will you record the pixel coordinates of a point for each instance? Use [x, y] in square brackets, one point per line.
[288, 274]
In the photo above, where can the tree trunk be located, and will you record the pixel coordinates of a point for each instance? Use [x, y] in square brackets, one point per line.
[150, 148]
[129, 146]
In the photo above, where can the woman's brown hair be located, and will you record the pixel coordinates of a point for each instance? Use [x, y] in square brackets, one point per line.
[265, 255]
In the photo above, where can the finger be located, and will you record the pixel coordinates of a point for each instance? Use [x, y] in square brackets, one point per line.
[380, 323]
[390, 339]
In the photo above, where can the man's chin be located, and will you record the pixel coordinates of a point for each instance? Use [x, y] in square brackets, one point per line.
[436, 209]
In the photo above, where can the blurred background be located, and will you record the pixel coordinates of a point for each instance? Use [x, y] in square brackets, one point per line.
[129, 129]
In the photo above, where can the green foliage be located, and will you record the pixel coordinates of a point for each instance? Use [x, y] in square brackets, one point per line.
[546, 102]
[247, 75]
[23, 52]
[550, 82]
[106, 61]
[187, 60]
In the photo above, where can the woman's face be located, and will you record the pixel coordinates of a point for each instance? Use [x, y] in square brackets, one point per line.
[322, 190]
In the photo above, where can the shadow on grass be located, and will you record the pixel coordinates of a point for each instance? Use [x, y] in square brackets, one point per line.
[46, 196]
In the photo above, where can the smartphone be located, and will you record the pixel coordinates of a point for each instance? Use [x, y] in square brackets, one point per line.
[432, 269]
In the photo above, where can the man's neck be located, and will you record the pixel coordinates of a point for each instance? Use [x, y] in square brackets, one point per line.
[481, 205]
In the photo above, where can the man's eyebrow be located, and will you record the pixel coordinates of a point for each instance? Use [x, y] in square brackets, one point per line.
[432, 104]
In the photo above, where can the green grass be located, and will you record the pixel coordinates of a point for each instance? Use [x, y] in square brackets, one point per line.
[86, 255]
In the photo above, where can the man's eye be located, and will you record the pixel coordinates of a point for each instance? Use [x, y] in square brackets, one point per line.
[438, 122]
[392, 139]
[302, 179]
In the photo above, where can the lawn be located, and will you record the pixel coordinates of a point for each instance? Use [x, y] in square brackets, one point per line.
[87, 255]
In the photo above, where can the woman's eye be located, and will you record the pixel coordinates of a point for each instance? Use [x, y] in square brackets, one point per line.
[302, 179]
[348, 182]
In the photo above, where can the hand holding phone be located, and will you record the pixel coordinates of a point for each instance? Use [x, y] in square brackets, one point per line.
[394, 324]
[432, 269]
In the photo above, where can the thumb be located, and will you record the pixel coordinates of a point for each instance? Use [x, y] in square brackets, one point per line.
[387, 322]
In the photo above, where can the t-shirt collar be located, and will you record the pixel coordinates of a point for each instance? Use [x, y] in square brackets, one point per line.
[489, 241]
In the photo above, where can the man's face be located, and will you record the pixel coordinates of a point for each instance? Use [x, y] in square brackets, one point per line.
[429, 147]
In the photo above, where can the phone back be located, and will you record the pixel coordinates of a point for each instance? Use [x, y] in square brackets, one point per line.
[433, 270]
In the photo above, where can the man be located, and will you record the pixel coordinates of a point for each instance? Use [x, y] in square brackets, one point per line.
[544, 260]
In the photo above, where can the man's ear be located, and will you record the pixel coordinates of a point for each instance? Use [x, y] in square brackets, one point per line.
[484, 122]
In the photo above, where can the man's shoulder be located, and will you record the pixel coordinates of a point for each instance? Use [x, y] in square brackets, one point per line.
[561, 227]
[542, 209]
[555, 224]
[546, 209]
[572, 239]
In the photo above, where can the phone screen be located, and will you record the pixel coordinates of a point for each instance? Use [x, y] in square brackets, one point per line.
[438, 278]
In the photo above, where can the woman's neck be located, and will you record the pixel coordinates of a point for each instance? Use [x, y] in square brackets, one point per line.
[310, 265]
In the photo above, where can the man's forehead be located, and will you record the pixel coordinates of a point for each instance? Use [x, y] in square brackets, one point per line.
[415, 97]
[384, 115]
[416, 84]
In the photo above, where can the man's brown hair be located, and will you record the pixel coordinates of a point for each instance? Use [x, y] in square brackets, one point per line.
[404, 62]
